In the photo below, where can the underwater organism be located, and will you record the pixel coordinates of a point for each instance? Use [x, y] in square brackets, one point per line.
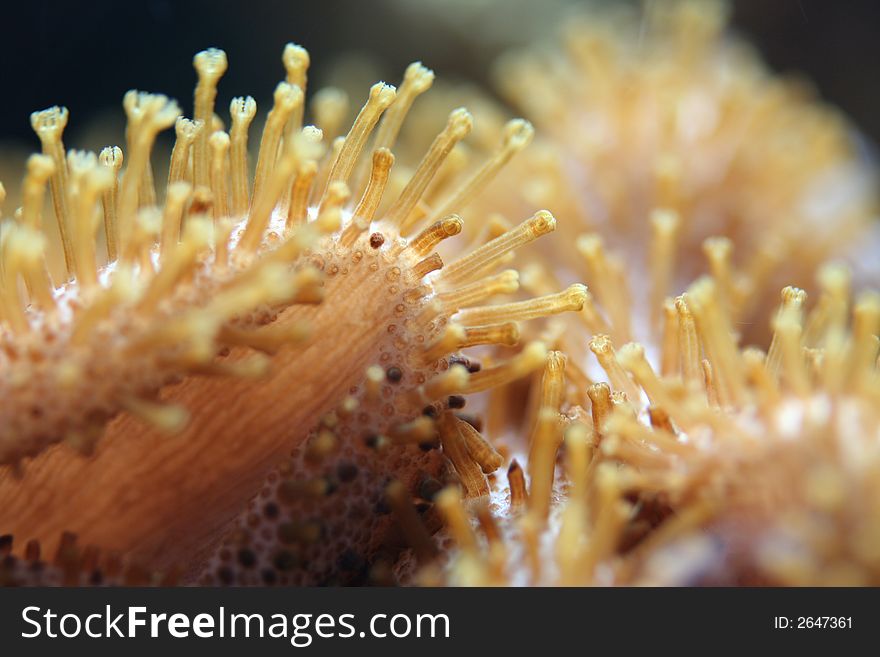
[251, 320]
[670, 441]
[722, 465]
[664, 109]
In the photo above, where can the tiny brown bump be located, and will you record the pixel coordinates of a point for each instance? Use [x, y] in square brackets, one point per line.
[377, 240]
[331, 485]
[350, 561]
[225, 575]
[285, 560]
[247, 558]
[346, 472]
[288, 491]
[429, 488]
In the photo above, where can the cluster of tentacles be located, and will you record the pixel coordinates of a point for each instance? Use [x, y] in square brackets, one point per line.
[298, 342]
[259, 379]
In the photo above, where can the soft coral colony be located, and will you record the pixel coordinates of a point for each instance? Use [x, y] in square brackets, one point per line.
[300, 334]
[307, 311]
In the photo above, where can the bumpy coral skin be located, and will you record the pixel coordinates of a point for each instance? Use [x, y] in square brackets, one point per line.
[214, 440]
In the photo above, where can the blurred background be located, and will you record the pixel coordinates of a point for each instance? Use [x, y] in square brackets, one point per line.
[86, 55]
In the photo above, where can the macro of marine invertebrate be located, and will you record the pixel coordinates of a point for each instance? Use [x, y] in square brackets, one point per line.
[727, 466]
[251, 320]
[348, 363]
[691, 448]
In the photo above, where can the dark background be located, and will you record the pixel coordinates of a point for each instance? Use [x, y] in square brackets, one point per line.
[85, 55]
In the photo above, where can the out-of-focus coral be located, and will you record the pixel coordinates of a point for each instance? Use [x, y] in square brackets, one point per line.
[666, 110]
